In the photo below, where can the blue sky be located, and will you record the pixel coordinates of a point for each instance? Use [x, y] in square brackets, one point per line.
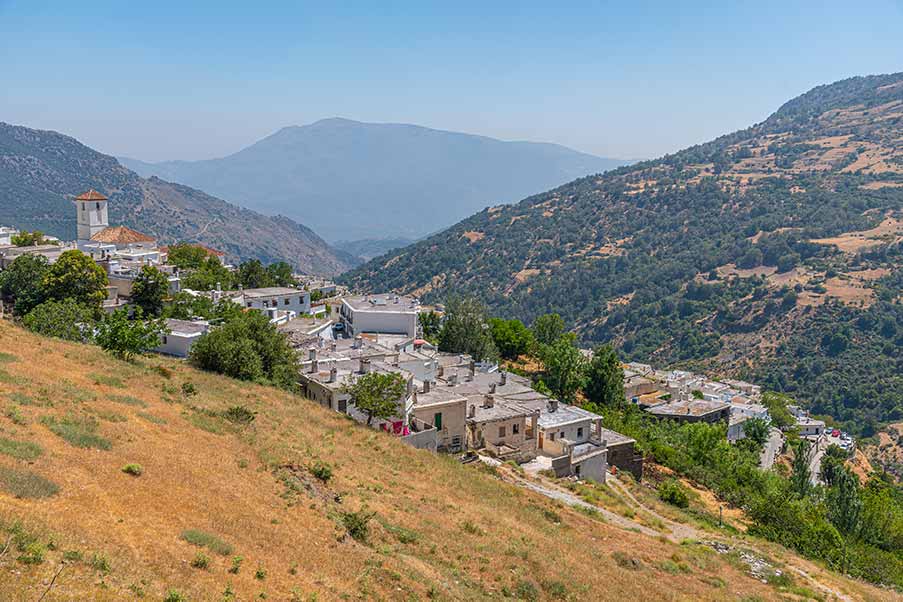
[189, 80]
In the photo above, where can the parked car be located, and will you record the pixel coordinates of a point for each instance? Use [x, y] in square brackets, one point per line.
[835, 433]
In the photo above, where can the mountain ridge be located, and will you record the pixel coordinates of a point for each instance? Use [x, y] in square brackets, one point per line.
[41, 170]
[414, 180]
[734, 256]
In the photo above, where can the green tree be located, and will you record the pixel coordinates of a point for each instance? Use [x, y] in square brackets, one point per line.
[845, 508]
[377, 394]
[208, 276]
[755, 431]
[801, 473]
[252, 274]
[605, 377]
[777, 409]
[187, 256]
[547, 328]
[466, 330]
[184, 306]
[21, 282]
[29, 239]
[76, 276]
[64, 319]
[248, 347]
[280, 274]
[511, 337]
[126, 338]
[832, 464]
[430, 325]
[149, 290]
[565, 367]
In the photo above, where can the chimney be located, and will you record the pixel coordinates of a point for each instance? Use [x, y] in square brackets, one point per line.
[553, 405]
[472, 367]
[504, 378]
[426, 386]
[333, 374]
[365, 365]
[491, 388]
[471, 411]
[452, 379]
[358, 342]
[313, 354]
[488, 401]
[441, 371]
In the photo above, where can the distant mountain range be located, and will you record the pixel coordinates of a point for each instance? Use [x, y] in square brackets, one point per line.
[350, 180]
[40, 172]
[773, 253]
[368, 248]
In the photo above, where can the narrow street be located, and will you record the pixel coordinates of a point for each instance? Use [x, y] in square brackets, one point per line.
[771, 449]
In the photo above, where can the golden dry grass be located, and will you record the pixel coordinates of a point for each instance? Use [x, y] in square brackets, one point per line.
[440, 528]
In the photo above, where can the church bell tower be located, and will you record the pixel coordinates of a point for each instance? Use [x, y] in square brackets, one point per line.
[92, 214]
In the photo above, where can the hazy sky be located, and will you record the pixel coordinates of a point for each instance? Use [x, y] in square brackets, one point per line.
[192, 79]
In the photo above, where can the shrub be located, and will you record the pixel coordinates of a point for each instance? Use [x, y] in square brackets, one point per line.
[674, 493]
[110, 381]
[472, 529]
[100, 563]
[126, 338]
[174, 595]
[16, 416]
[236, 564]
[76, 431]
[128, 400]
[200, 561]
[356, 524]
[207, 540]
[25, 484]
[20, 450]
[64, 319]
[525, 590]
[239, 415]
[626, 562]
[189, 390]
[32, 553]
[321, 470]
[260, 574]
[73, 556]
[133, 469]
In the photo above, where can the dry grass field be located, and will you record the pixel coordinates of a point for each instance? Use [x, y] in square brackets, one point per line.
[231, 500]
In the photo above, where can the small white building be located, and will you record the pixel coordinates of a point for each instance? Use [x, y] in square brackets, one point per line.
[280, 298]
[386, 314]
[6, 235]
[181, 336]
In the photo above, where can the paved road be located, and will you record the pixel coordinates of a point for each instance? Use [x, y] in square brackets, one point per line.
[772, 448]
[815, 463]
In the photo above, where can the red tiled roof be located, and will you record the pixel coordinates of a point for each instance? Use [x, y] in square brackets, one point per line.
[91, 195]
[121, 235]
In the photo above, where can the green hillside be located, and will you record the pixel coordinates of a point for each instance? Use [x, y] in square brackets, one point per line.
[771, 253]
[41, 171]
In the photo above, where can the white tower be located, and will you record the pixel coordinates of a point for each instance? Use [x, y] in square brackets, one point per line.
[92, 214]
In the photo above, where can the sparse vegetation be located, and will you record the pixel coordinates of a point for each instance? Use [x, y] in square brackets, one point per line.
[80, 431]
[26, 484]
[133, 469]
[207, 540]
[200, 561]
[20, 450]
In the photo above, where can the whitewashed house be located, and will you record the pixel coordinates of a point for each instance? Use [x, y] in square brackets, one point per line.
[385, 313]
[181, 336]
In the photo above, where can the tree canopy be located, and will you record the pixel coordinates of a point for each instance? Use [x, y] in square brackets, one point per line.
[377, 394]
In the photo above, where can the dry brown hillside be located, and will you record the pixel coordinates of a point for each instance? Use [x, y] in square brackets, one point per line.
[74, 523]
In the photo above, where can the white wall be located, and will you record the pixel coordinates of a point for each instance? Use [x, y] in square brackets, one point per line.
[176, 344]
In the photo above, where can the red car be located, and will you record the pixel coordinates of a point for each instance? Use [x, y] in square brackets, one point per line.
[835, 433]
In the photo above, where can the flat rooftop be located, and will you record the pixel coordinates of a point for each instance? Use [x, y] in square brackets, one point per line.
[270, 291]
[615, 438]
[383, 302]
[694, 407]
[186, 327]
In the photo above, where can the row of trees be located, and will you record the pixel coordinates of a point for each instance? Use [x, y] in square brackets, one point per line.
[203, 271]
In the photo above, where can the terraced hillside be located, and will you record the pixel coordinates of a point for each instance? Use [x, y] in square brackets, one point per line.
[771, 253]
[150, 479]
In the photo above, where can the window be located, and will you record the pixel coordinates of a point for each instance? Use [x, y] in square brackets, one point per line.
[287, 301]
[515, 429]
[164, 339]
[98, 206]
[579, 432]
[551, 436]
[501, 431]
[249, 304]
[437, 420]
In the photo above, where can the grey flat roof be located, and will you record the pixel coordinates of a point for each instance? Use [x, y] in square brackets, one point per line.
[382, 302]
[270, 291]
[695, 407]
[615, 438]
[186, 327]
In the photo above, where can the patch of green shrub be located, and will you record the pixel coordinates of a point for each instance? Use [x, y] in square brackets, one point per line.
[174, 595]
[32, 553]
[133, 469]
[151, 418]
[239, 415]
[236, 564]
[321, 470]
[20, 450]
[110, 381]
[357, 524]
[14, 414]
[206, 540]
[674, 493]
[128, 400]
[200, 561]
[100, 563]
[77, 431]
[25, 484]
